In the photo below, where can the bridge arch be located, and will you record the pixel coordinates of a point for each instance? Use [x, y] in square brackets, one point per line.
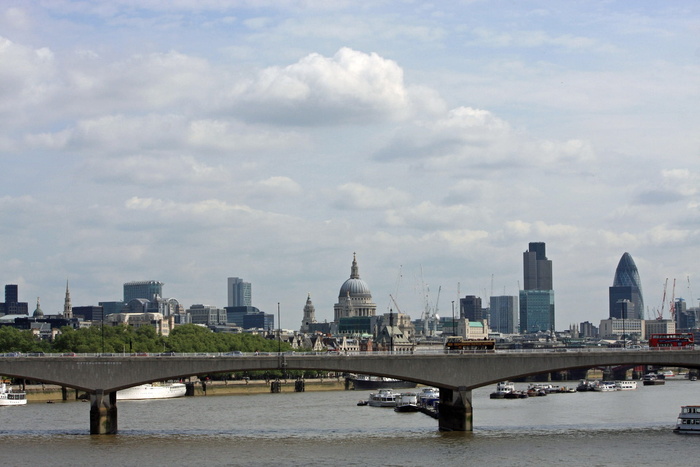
[456, 374]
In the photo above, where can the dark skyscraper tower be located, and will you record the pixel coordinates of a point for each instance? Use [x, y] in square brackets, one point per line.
[626, 286]
[537, 268]
[537, 296]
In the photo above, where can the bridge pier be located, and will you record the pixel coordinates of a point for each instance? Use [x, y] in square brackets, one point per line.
[455, 410]
[103, 413]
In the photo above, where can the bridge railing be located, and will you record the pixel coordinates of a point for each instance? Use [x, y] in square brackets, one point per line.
[332, 354]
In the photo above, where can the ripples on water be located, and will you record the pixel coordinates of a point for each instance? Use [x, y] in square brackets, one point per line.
[328, 428]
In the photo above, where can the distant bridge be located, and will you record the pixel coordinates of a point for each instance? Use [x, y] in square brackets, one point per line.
[456, 375]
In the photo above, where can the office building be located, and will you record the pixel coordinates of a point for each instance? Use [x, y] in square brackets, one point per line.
[626, 286]
[504, 314]
[470, 308]
[613, 328]
[149, 290]
[12, 305]
[207, 315]
[239, 292]
[537, 269]
[109, 308]
[88, 313]
[537, 297]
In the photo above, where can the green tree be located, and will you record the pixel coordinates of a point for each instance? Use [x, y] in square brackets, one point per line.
[16, 340]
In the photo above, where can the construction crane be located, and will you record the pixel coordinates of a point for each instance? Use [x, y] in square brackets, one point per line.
[672, 305]
[395, 304]
[660, 314]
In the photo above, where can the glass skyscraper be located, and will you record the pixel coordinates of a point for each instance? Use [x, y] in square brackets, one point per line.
[148, 290]
[504, 314]
[239, 293]
[626, 286]
[537, 296]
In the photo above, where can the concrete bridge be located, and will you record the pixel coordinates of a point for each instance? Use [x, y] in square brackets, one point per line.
[456, 375]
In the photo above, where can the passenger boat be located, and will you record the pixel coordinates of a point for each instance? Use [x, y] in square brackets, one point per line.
[152, 391]
[502, 388]
[585, 386]
[9, 397]
[429, 398]
[605, 386]
[382, 398]
[626, 385]
[406, 402]
[688, 420]
[652, 379]
[365, 382]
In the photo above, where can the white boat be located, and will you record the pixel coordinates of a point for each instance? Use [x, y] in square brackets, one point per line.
[406, 402]
[152, 391]
[688, 420]
[9, 397]
[667, 374]
[626, 385]
[382, 398]
[429, 398]
[605, 386]
[502, 388]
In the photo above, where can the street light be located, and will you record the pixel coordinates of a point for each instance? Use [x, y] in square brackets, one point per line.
[103, 330]
[454, 324]
[279, 330]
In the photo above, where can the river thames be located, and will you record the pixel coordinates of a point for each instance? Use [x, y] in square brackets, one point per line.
[328, 428]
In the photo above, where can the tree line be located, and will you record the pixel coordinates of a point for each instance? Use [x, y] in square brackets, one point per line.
[187, 338]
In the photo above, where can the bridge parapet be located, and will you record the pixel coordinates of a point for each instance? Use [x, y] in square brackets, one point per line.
[455, 374]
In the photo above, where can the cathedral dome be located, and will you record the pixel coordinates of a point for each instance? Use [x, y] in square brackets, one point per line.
[38, 313]
[354, 287]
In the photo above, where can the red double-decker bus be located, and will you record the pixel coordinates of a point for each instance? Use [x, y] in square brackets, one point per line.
[672, 341]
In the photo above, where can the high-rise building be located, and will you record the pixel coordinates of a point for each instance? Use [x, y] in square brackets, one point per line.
[504, 314]
[149, 290]
[537, 297]
[239, 292]
[470, 308]
[626, 287]
[537, 268]
[12, 306]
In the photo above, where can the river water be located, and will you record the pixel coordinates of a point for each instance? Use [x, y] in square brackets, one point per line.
[328, 428]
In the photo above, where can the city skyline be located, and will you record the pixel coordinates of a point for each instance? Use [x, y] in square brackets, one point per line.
[192, 142]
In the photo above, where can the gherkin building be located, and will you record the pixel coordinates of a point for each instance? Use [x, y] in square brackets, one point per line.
[626, 301]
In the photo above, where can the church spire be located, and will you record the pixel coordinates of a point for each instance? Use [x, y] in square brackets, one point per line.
[354, 271]
[67, 307]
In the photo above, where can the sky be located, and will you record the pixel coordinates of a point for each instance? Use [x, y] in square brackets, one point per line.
[189, 141]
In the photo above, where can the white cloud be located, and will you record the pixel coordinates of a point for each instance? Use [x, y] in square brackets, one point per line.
[361, 197]
[351, 86]
[149, 171]
[120, 134]
[534, 38]
[468, 137]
